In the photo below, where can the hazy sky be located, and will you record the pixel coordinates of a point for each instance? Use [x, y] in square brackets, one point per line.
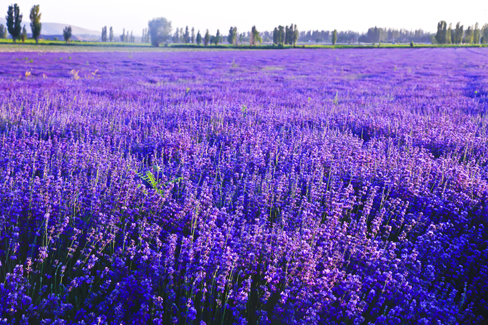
[355, 15]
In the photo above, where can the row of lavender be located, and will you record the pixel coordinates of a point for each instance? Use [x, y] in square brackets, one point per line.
[289, 187]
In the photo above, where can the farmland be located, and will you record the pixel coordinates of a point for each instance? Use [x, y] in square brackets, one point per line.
[244, 187]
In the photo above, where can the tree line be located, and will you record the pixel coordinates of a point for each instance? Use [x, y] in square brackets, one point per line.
[159, 31]
[108, 36]
[18, 32]
[285, 35]
[472, 35]
[14, 24]
[378, 35]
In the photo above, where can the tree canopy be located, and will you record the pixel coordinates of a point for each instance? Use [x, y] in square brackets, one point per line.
[14, 21]
[160, 30]
[36, 26]
[67, 33]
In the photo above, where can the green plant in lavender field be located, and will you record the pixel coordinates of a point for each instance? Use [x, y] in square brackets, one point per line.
[154, 180]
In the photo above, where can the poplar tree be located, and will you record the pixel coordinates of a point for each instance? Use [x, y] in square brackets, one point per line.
[275, 36]
[187, 35]
[449, 34]
[281, 34]
[217, 38]
[484, 34]
[288, 34]
[24, 34]
[232, 38]
[294, 35]
[193, 35]
[104, 34]
[444, 33]
[459, 33]
[440, 36]
[254, 36]
[206, 39]
[176, 37]
[199, 38]
[3, 31]
[468, 36]
[334, 37]
[111, 34]
[36, 26]
[14, 20]
[476, 34]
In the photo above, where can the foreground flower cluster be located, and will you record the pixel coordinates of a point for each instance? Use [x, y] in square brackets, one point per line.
[253, 187]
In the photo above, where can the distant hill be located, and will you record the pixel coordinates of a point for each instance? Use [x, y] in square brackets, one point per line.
[57, 29]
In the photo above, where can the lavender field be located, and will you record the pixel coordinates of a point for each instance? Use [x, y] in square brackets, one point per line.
[244, 187]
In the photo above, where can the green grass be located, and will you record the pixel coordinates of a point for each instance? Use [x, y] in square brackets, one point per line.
[7, 45]
[74, 43]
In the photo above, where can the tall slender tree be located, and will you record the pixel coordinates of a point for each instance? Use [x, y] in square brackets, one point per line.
[476, 34]
[176, 36]
[459, 33]
[217, 38]
[3, 31]
[441, 34]
[469, 36]
[14, 21]
[334, 37]
[24, 34]
[484, 34]
[281, 34]
[199, 38]
[193, 35]
[111, 34]
[186, 36]
[275, 36]
[254, 37]
[232, 37]
[293, 35]
[206, 39]
[104, 34]
[36, 26]
[449, 34]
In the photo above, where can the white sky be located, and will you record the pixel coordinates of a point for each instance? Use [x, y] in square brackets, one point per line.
[355, 15]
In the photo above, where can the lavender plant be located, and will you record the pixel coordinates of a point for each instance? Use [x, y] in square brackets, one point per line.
[280, 187]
